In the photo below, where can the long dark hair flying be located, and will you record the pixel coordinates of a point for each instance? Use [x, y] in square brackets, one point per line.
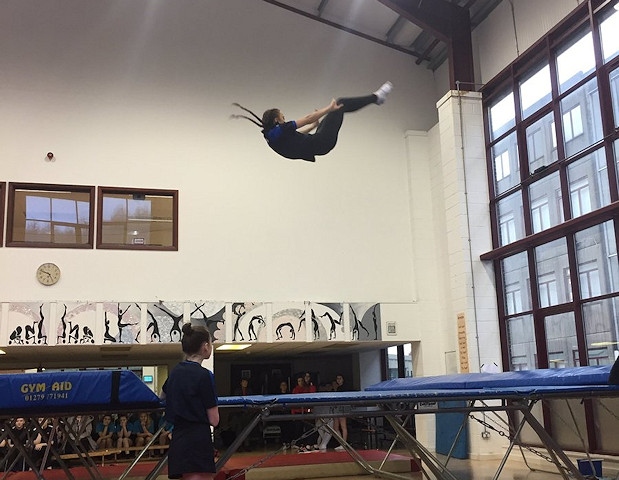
[266, 123]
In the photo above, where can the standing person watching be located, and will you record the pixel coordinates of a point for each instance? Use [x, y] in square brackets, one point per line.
[191, 405]
[340, 422]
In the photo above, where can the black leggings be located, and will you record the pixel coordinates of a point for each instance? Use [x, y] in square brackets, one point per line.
[325, 137]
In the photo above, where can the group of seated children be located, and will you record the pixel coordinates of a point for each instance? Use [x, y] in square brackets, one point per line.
[128, 431]
[124, 432]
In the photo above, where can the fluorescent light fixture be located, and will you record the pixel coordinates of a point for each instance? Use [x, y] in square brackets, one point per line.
[233, 347]
[603, 344]
[2, 352]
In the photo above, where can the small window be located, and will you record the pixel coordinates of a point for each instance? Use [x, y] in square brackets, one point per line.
[501, 165]
[575, 62]
[50, 216]
[535, 91]
[140, 219]
[502, 116]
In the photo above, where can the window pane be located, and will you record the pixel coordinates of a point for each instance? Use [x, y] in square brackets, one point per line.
[139, 219]
[609, 31]
[546, 204]
[49, 216]
[541, 143]
[552, 273]
[588, 180]
[575, 62]
[517, 295]
[601, 330]
[510, 219]
[392, 363]
[502, 116]
[561, 340]
[505, 163]
[521, 341]
[581, 118]
[596, 253]
[535, 91]
[614, 92]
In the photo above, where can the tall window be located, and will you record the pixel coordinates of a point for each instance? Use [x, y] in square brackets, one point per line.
[561, 107]
[555, 230]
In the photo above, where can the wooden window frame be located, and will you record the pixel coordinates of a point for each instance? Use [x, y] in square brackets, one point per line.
[47, 187]
[102, 191]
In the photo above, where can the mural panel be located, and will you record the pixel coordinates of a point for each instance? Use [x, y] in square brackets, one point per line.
[289, 322]
[249, 322]
[365, 321]
[164, 322]
[28, 323]
[122, 322]
[211, 315]
[76, 323]
[328, 318]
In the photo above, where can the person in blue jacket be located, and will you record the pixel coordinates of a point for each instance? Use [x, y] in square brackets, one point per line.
[294, 140]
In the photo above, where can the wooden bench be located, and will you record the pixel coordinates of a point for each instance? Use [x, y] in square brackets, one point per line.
[93, 454]
[139, 449]
[112, 451]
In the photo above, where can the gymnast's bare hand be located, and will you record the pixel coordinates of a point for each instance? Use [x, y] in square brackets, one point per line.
[333, 106]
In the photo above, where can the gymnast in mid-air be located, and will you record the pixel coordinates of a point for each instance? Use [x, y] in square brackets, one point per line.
[293, 139]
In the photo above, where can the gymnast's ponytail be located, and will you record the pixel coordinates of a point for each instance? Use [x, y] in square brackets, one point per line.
[266, 123]
[193, 338]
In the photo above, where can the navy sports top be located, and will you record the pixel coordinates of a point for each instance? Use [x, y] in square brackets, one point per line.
[190, 392]
[289, 143]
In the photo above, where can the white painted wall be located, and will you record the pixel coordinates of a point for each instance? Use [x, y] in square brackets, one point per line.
[139, 93]
[513, 27]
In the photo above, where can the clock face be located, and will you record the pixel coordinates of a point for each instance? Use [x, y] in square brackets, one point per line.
[48, 274]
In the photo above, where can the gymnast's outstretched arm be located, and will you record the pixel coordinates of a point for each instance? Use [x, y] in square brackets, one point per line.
[313, 117]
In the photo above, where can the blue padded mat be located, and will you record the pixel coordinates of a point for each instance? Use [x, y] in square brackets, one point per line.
[66, 392]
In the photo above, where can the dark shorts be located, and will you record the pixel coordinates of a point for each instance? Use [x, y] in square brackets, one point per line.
[191, 450]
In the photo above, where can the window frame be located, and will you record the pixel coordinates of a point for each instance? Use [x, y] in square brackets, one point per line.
[600, 122]
[2, 211]
[48, 187]
[103, 190]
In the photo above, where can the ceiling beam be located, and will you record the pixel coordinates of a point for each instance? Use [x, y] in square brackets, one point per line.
[343, 28]
[322, 6]
[451, 24]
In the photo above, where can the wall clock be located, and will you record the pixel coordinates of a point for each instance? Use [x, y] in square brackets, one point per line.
[48, 274]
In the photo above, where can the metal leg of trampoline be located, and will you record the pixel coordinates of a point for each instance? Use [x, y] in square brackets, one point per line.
[73, 439]
[141, 453]
[457, 437]
[154, 473]
[238, 441]
[54, 451]
[438, 469]
[22, 453]
[508, 452]
[554, 450]
[359, 459]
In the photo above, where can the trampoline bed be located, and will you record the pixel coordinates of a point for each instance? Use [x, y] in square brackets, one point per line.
[475, 392]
